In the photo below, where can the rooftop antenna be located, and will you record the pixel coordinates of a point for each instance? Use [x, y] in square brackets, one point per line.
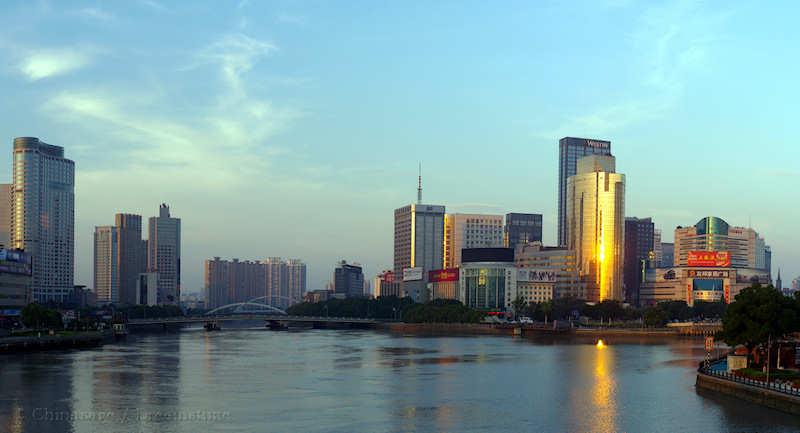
[419, 187]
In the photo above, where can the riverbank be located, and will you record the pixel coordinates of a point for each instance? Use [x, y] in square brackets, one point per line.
[30, 343]
[760, 395]
[463, 329]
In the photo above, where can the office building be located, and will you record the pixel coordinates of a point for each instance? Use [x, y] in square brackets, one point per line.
[147, 289]
[43, 216]
[418, 237]
[639, 243]
[486, 276]
[348, 280]
[164, 255]
[119, 258]
[559, 260]
[667, 255]
[534, 286]
[444, 283]
[469, 231]
[5, 215]
[658, 252]
[746, 248]
[712, 262]
[595, 221]
[15, 281]
[570, 150]
[522, 228]
[387, 284]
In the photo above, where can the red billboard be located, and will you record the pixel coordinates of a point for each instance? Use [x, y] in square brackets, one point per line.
[709, 259]
[443, 275]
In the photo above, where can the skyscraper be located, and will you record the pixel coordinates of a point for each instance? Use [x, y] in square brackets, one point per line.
[570, 150]
[277, 282]
[639, 243]
[469, 231]
[43, 215]
[595, 222]
[106, 273]
[164, 254]
[522, 228]
[418, 237]
[348, 280]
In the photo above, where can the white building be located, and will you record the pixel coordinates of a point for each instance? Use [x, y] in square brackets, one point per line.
[469, 231]
[106, 273]
[43, 215]
[418, 237]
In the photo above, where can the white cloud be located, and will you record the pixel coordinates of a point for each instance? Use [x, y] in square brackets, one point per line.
[48, 63]
[96, 13]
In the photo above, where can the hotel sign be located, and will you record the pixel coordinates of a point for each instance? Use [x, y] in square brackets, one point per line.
[536, 275]
[443, 275]
[709, 259]
[693, 273]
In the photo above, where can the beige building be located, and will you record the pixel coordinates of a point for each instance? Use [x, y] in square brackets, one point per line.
[746, 248]
[469, 231]
[279, 282]
[596, 224]
[559, 260]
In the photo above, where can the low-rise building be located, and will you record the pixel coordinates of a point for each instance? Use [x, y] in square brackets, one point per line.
[486, 276]
[15, 281]
[443, 283]
[533, 286]
[711, 284]
[556, 259]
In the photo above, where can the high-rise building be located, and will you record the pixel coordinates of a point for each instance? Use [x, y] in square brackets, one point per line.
[746, 248]
[658, 252]
[639, 243]
[667, 255]
[43, 215]
[164, 254]
[5, 214]
[106, 272]
[522, 228]
[277, 282]
[119, 258]
[348, 280]
[418, 237]
[469, 231]
[296, 280]
[570, 150]
[595, 223]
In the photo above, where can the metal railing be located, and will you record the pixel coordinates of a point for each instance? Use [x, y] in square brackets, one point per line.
[782, 387]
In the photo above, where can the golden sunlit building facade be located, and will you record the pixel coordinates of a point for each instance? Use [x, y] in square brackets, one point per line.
[596, 225]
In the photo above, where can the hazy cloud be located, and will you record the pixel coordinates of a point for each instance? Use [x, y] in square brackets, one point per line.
[47, 63]
[96, 13]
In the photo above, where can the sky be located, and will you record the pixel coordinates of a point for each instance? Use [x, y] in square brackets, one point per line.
[294, 128]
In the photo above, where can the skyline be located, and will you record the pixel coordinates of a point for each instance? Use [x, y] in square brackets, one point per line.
[278, 114]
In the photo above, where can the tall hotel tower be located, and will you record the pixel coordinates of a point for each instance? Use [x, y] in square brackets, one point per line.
[596, 225]
[570, 150]
[43, 215]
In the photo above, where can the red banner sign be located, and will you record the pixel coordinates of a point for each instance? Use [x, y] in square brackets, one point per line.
[443, 275]
[709, 259]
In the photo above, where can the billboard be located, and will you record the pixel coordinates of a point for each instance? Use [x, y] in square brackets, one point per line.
[709, 259]
[536, 275]
[412, 274]
[713, 274]
[443, 275]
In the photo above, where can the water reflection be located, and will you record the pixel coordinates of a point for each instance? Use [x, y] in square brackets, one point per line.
[604, 412]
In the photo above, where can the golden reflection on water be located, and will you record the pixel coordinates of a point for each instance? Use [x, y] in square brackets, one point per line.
[604, 398]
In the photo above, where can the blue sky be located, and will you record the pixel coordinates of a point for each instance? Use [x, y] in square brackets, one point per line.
[293, 128]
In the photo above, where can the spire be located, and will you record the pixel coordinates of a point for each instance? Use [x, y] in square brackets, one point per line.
[419, 187]
[778, 282]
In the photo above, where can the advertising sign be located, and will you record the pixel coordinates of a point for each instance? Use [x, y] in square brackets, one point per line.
[412, 274]
[709, 259]
[443, 275]
[709, 344]
[536, 275]
[693, 273]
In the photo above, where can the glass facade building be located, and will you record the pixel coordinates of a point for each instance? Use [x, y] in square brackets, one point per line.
[595, 219]
[522, 228]
[486, 275]
[570, 150]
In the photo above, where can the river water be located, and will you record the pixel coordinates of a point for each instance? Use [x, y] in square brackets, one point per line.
[366, 381]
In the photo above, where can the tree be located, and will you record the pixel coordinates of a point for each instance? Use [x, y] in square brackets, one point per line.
[758, 314]
[37, 316]
[519, 305]
[654, 316]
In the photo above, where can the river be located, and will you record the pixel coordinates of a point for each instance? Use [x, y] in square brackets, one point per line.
[366, 381]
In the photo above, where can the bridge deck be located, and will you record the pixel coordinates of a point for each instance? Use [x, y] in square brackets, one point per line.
[260, 317]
